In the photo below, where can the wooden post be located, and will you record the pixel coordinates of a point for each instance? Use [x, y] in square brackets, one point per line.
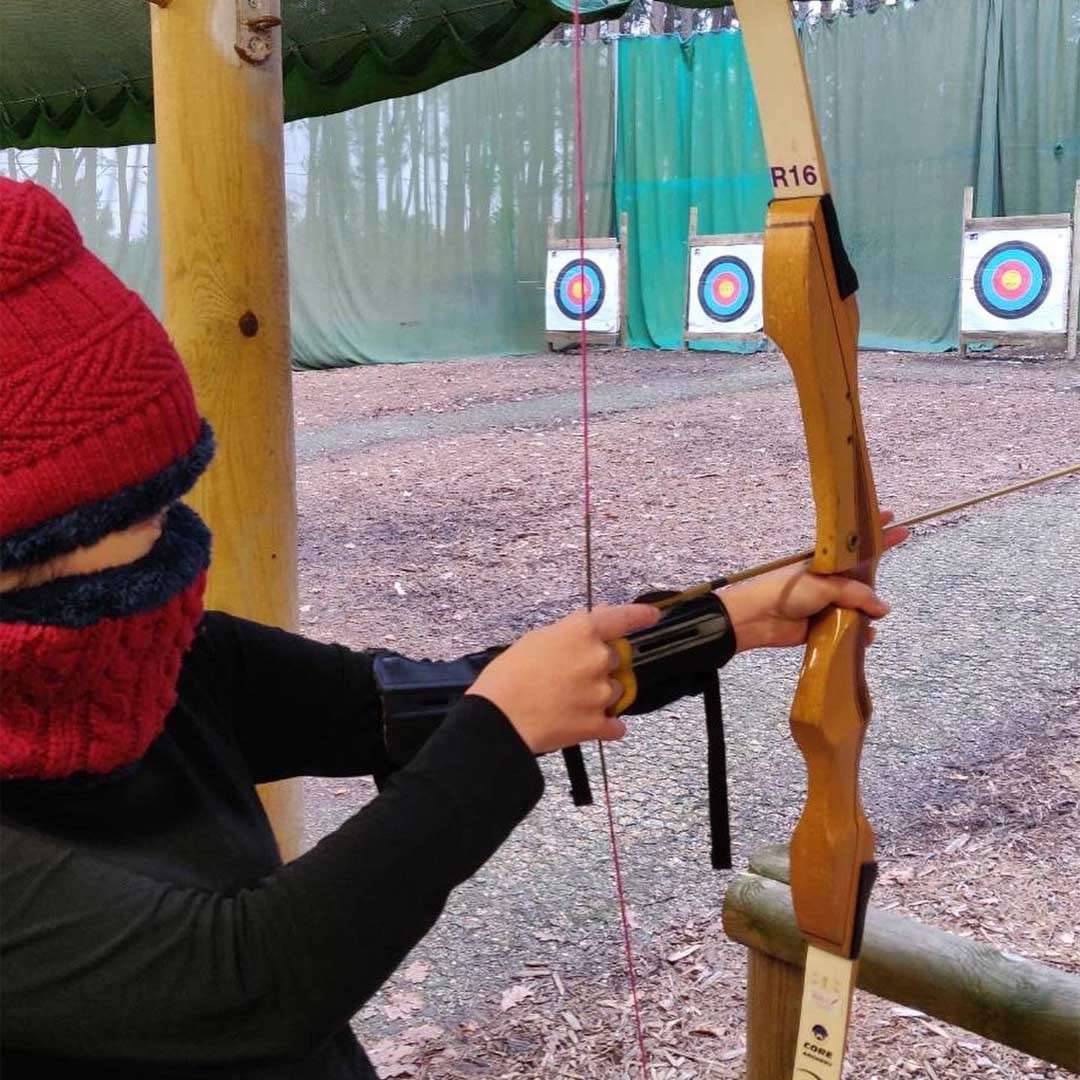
[218, 118]
[691, 236]
[969, 213]
[1074, 283]
[1020, 1003]
[773, 998]
[624, 285]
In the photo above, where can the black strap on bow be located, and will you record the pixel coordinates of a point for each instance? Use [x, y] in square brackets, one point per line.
[719, 812]
[716, 772]
[580, 791]
[716, 752]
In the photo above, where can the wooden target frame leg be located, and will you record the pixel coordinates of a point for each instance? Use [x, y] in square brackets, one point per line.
[624, 290]
[691, 234]
[218, 117]
[1074, 282]
[965, 220]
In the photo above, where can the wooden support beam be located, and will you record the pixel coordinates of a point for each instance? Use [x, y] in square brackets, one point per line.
[1021, 221]
[589, 243]
[1020, 1003]
[218, 118]
[691, 234]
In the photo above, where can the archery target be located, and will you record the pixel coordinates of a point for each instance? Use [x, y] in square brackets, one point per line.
[1016, 279]
[578, 288]
[725, 289]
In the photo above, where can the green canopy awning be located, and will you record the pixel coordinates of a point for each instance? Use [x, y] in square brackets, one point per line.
[79, 74]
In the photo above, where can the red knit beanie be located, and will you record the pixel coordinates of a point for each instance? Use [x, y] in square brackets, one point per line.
[98, 430]
[98, 423]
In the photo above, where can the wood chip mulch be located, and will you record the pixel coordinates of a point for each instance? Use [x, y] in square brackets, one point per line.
[999, 865]
[440, 511]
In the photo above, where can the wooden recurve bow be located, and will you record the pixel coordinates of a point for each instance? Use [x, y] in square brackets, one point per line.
[811, 314]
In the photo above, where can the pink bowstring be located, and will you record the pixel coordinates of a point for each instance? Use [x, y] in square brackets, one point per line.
[579, 181]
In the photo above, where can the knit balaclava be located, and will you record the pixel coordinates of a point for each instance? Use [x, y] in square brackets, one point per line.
[98, 431]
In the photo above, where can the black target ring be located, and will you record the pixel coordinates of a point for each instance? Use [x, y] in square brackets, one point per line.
[733, 272]
[590, 278]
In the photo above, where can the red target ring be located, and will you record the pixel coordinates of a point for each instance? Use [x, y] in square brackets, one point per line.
[1012, 279]
[725, 288]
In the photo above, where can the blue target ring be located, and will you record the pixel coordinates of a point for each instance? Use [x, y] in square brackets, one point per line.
[726, 288]
[1012, 279]
[579, 289]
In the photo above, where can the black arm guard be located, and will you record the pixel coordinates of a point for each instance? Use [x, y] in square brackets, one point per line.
[678, 656]
[696, 671]
[416, 695]
[692, 640]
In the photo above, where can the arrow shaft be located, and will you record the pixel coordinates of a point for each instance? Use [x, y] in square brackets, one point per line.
[918, 519]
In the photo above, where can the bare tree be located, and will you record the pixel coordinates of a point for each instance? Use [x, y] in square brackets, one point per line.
[644, 17]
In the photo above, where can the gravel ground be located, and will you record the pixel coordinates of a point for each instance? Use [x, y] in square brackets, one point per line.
[440, 510]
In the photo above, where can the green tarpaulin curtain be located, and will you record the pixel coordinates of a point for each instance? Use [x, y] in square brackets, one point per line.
[902, 104]
[417, 226]
[418, 229]
[1038, 106]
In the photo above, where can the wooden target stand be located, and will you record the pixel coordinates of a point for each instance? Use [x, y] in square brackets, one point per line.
[558, 340]
[696, 239]
[1067, 339]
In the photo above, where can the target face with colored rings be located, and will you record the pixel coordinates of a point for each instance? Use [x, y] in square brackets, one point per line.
[726, 288]
[1012, 279]
[579, 289]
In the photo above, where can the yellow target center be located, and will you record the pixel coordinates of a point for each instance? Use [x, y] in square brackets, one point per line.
[577, 289]
[1011, 280]
[726, 290]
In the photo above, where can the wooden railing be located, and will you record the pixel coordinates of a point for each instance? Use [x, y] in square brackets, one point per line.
[1020, 1003]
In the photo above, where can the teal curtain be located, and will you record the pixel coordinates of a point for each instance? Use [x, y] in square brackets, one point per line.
[652, 184]
[688, 134]
[728, 179]
[1038, 105]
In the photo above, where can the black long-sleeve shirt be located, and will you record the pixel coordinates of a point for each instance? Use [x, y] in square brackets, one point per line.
[147, 926]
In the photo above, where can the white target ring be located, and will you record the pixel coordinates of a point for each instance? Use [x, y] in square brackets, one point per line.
[577, 287]
[1015, 280]
[724, 289]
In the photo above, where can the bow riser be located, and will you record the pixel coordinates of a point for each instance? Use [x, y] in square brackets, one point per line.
[817, 330]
